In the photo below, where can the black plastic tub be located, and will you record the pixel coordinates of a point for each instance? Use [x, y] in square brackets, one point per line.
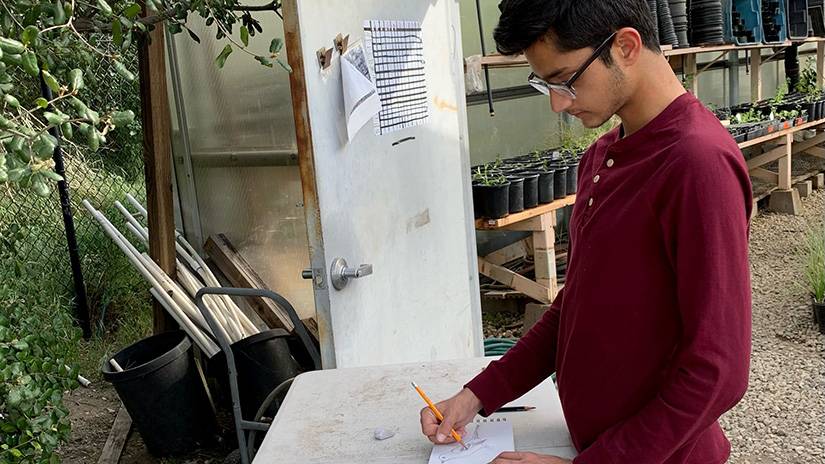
[546, 181]
[572, 176]
[161, 389]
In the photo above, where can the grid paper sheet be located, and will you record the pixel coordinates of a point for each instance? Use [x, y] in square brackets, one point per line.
[397, 53]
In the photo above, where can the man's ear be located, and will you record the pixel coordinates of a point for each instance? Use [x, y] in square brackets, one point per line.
[627, 46]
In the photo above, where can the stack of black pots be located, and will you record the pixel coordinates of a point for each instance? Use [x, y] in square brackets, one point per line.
[679, 15]
[706, 22]
[513, 185]
[667, 33]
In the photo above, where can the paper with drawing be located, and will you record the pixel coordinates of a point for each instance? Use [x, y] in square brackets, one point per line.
[484, 440]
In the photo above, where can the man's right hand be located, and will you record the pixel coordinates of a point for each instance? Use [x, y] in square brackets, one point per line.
[458, 411]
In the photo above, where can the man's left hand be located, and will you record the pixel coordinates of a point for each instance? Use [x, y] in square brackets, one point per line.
[515, 457]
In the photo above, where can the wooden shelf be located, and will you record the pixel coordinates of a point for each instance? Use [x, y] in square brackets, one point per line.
[501, 61]
[782, 133]
[493, 224]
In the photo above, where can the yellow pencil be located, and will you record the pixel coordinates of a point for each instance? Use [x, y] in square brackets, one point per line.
[437, 413]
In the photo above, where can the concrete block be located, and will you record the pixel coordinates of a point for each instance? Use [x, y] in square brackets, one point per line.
[804, 188]
[818, 181]
[532, 313]
[785, 201]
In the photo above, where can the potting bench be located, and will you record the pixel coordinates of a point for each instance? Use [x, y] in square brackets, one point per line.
[348, 405]
[541, 221]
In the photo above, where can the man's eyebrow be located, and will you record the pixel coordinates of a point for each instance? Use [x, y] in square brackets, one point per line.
[555, 74]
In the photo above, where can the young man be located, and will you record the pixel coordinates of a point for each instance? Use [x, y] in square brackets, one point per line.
[650, 336]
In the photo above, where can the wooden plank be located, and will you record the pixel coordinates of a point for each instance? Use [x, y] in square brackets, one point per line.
[312, 327]
[764, 174]
[157, 152]
[544, 256]
[820, 64]
[756, 75]
[767, 157]
[493, 224]
[819, 152]
[514, 280]
[534, 224]
[690, 73]
[509, 253]
[241, 274]
[800, 147]
[785, 168]
[117, 438]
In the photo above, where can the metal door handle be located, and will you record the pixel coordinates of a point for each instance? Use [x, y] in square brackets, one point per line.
[341, 273]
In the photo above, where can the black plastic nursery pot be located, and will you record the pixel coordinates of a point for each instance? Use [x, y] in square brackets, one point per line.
[263, 361]
[819, 315]
[494, 200]
[560, 181]
[516, 194]
[572, 176]
[161, 389]
[531, 188]
[546, 182]
[476, 202]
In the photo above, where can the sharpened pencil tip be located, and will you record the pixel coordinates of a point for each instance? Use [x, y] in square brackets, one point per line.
[413, 385]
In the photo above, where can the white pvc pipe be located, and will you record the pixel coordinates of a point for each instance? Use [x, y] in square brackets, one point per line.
[194, 332]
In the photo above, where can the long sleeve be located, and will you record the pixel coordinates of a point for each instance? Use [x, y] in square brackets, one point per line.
[704, 220]
[524, 366]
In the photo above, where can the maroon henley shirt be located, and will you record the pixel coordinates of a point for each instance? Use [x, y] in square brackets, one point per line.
[650, 336]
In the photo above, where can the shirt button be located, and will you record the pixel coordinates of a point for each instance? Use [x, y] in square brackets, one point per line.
[596, 179]
[610, 163]
[590, 202]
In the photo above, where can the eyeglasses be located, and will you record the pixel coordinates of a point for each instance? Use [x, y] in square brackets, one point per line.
[565, 89]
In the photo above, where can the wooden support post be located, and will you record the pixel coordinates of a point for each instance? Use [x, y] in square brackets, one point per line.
[756, 75]
[820, 64]
[157, 149]
[690, 73]
[544, 255]
[785, 165]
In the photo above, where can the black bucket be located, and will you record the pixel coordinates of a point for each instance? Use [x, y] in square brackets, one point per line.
[494, 200]
[263, 361]
[545, 185]
[163, 392]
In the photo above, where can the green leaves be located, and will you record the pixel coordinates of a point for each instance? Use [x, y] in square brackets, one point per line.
[264, 61]
[29, 35]
[121, 69]
[245, 36]
[41, 102]
[132, 11]
[11, 100]
[51, 82]
[221, 59]
[276, 45]
[30, 64]
[104, 7]
[75, 80]
[123, 118]
[11, 46]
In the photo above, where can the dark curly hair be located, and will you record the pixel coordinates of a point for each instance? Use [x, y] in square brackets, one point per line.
[572, 24]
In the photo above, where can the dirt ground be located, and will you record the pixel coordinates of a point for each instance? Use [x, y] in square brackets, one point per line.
[92, 413]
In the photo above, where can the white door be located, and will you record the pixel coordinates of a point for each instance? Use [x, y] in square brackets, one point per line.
[400, 202]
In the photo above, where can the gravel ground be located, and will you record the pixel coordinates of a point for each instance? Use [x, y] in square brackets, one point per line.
[781, 419]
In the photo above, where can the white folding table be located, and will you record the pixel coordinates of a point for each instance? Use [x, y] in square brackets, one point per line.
[330, 416]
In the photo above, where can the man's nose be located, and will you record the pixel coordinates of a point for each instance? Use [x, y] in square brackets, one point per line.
[559, 103]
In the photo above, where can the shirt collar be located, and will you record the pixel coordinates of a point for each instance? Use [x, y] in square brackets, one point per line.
[650, 132]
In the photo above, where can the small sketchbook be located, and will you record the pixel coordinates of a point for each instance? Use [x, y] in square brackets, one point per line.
[485, 439]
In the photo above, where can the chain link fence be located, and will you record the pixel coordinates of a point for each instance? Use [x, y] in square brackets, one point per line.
[32, 229]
